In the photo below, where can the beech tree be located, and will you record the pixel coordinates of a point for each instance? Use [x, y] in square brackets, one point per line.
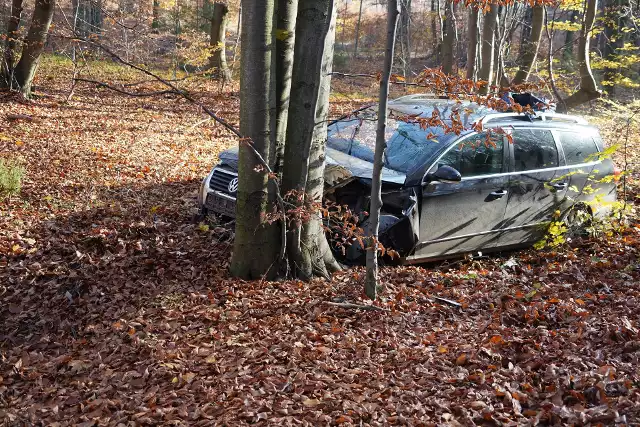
[472, 48]
[256, 240]
[488, 45]
[258, 245]
[218, 40]
[20, 76]
[588, 90]
[531, 46]
[450, 37]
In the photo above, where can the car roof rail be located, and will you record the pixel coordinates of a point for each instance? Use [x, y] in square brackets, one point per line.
[418, 97]
[549, 116]
[563, 118]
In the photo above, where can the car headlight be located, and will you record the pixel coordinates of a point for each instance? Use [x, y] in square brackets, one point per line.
[202, 193]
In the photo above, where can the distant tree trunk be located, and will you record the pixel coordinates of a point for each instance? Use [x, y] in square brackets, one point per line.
[472, 48]
[11, 43]
[567, 54]
[525, 33]
[308, 250]
[449, 38]
[588, 88]
[381, 145]
[531, 46]
[33, 46]
[96, 17]
[488, 48]
[434, 28]
[218, 40]
[616, 37]
[355, 49]
[155, 23]
[285, 43]
[256, 242]
[405, 25]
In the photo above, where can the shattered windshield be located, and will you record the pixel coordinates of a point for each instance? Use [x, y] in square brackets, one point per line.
[407, 143]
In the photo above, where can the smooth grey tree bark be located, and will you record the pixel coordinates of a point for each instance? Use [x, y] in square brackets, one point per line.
[488, 48]
[218, 41]
[472, 48]
[435, 34]
[11, 44]
[286, 15]
[449, 37]
[530, 49]
[303, 170]
[33, 45]
[257, 243]
[371, 281]
[588, 87]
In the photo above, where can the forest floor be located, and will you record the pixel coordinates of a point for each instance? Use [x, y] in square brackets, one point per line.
[116, 307]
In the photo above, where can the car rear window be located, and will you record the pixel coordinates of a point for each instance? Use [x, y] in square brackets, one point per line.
[534, 149]
[578, 148]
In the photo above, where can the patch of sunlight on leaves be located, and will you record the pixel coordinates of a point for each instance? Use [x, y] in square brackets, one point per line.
[11, 176]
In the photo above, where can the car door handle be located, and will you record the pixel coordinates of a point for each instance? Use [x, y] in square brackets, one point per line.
[498, 194]
[560, 186]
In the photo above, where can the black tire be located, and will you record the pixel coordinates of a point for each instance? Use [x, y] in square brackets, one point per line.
[577, 219]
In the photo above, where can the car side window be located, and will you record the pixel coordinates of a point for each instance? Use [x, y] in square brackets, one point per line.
[476, 155]
[534, 149]
[578, 148]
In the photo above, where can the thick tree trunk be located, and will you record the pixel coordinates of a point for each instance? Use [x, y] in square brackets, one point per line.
[218, 40]
[531, 47]
[588, 88]
[303, 171]
[355, 49]
[33, 46]
[256, 245]
[11, 43]
[488, 48]
[285, 42]
[449, 38]
[381, 145]
[472, 48]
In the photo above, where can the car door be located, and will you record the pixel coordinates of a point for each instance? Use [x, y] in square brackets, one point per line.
[537, 188]
[465, 216]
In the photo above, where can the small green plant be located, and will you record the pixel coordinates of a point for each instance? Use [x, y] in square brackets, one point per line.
[11, 175]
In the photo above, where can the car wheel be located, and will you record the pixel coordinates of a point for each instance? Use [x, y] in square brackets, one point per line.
[577, 219]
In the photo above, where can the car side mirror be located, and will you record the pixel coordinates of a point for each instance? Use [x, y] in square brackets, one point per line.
[445, 174]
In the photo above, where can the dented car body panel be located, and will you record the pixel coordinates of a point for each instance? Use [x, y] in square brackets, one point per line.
[510, 183]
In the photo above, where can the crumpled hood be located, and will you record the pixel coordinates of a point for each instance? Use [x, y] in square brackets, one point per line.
[358, 167]
[362, 168]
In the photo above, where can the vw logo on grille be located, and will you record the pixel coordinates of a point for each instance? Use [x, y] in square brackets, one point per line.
[233, 185]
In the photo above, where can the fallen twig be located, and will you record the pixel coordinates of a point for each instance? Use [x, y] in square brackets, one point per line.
[137, 94]
[356, 306]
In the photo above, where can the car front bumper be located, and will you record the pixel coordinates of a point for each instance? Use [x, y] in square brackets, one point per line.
[212, 197]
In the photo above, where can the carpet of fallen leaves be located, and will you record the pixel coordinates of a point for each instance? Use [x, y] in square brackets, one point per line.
[116, 307]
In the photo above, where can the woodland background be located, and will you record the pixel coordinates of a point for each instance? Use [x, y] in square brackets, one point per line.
[117, 307]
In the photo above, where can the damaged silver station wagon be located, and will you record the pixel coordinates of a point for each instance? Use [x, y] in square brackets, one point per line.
[446, 194]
